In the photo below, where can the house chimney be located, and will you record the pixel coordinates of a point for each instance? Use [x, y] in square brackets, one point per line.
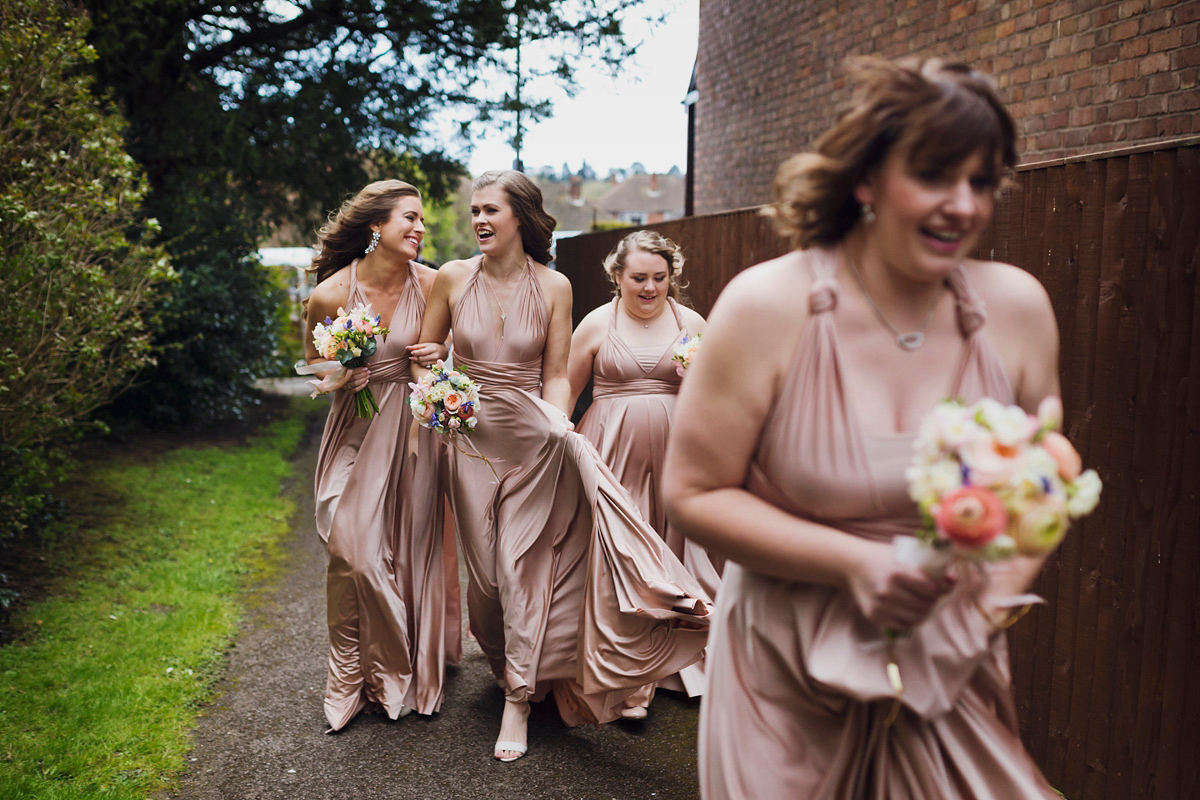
[576, 189]
[653, 181]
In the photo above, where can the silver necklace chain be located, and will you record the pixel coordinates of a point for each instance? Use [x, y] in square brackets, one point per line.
[503, 309]
[910, 340]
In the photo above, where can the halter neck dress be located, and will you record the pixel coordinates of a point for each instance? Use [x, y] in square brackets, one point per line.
[569, 589]
[391, 584]
[634, 390]
[798, 691]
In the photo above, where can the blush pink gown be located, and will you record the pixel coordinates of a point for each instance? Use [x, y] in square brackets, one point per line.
[391, 585]
[569, 589]
[633, 400]
[797, 689]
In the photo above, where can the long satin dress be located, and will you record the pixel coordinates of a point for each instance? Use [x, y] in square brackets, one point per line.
[798, 691]
[633, 399]
[392, 591]
[569, 589]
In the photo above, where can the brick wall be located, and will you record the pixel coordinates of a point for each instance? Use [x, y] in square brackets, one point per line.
[1080, 76]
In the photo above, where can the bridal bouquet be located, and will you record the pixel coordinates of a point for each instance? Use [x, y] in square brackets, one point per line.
[445, 400]
[685, 351]
[347, 342]
[991, 480]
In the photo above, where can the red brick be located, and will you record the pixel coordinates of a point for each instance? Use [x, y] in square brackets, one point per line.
[1005, 29]
[1124, 30]
[1186, 12]
[1163, 82]
[1143, 129]
[1081, 117]
[1125, 109]
[1167, 40]
[1186, 57]
[1106, 54]
[1123, 70]
[1074, 139]
[1129, 8]
[1135, 48]
[1136, 88]
[1081, 80]
[1184, 101]
[1157, 20]
[1101, 134]
[1151, 106]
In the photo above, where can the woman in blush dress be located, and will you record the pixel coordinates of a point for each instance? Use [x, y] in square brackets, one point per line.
[391, 584]
[569, 589]
[625, 347]
[794, 431]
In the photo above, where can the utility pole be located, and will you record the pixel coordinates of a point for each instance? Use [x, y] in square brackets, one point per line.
[517, 165]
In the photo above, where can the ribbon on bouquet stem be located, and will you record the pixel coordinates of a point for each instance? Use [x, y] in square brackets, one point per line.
[909, 550]
[335, 380]
[453, 437]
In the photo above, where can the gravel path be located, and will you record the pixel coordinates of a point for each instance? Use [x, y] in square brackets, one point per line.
[262, 736]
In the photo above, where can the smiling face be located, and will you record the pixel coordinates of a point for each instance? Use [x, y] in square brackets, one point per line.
[492, 218]
[928, 222]
[404, 229]
[644, 284]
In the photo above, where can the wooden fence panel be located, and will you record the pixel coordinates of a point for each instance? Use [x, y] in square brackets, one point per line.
[1104, 674]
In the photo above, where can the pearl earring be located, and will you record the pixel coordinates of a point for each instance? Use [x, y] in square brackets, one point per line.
[868, 213]
[374, 241]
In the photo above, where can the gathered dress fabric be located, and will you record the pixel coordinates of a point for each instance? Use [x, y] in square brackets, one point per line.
[391, 579]
[798, 692]
[634, 390]
[569, 589]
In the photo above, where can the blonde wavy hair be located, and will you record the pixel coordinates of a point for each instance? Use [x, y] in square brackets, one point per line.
[651, 242]
[936, 113]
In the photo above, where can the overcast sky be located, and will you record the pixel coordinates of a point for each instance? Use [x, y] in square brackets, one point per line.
[612, 123]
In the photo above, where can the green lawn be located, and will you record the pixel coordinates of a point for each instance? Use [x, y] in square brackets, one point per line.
[101, 689]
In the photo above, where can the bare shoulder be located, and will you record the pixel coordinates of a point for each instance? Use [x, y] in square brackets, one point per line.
[425, 277]
[691, 318]
[768, 294]
[456, 271]
[1014, 297]
[595, 320]
[334, 291]
[551, 279]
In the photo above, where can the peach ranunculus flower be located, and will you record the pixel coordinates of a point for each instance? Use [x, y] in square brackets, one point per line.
[1069, 462]
[971, 516]
[452, 401]
[424, 411]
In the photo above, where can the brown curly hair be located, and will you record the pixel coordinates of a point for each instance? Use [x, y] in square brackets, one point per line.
[348, 232]
[534, 222]
[937, 113]
[651, 242]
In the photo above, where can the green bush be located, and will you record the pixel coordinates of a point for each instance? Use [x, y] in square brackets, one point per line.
[77, 275]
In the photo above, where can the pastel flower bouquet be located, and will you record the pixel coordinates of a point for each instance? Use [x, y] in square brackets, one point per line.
[445, 400]
[348, 342]
[685, 350]
[992, 481]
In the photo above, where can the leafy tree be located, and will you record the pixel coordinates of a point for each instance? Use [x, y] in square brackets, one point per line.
[260, 112]
[75, 275]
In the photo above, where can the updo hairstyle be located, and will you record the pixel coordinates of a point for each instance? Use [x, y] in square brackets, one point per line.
[651, 242]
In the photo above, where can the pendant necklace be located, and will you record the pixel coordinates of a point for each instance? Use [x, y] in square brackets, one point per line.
[503, 309]
[909, 340]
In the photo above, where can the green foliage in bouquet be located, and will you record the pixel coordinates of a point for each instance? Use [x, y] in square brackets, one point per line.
[76, 270]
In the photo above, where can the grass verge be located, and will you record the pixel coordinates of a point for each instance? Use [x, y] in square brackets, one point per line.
[99, 693]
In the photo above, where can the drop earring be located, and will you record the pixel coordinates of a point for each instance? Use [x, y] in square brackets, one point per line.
[868, 213]
[374, 241]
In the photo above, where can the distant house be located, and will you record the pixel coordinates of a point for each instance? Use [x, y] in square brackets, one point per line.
[643, 199]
